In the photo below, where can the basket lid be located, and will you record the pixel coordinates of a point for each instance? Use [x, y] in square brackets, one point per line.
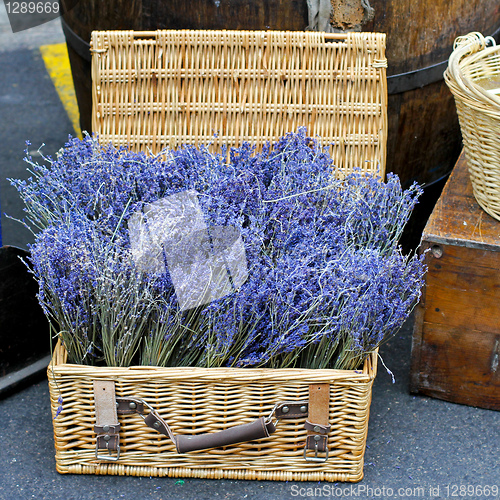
[167, 88]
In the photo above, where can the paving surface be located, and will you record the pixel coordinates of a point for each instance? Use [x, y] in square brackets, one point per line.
[30, 109]
[417, 447]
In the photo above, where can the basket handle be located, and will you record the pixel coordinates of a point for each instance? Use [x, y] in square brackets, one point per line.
[258, 429]
[473, 41]
[316, 408]
[472, 46]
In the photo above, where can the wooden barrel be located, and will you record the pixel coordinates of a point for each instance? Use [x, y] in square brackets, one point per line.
[86, 15]
[424, 136]
[424, 139]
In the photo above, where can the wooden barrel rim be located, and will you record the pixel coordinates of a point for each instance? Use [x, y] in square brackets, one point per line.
[396, 84]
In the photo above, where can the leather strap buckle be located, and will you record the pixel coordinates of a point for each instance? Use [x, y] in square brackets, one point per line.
[317, 424]
[107, 427]
[109, 457]
[316, 458]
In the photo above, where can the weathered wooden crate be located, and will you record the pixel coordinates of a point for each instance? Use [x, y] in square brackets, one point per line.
[456, 340]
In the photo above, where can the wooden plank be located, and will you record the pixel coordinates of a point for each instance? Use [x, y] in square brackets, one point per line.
[457, 219]
[460, 365]
[463, 289]
[416, 344]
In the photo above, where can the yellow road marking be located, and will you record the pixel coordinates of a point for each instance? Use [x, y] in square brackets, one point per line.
[56, 61]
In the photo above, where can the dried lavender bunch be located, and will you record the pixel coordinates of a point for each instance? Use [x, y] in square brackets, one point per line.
[91, 292]
[327, 282]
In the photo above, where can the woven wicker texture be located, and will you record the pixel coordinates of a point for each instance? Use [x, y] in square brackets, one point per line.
[473, 75]
[168, 88]
[199, 400]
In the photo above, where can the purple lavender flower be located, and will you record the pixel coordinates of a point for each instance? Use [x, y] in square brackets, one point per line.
[327, 281]
[60, 407]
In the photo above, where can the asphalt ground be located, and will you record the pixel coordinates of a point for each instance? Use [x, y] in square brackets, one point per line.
[30, 109]
[417, 447]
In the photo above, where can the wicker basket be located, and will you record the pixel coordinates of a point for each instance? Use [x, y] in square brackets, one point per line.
[167, 88]
[473, 75]
[204, 400]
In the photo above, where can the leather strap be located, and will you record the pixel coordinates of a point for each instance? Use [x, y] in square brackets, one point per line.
[129, 406]
[296, 409]
[106, 427]
[157, 423]
[317, 428]
[318, 424]
[258, 429]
